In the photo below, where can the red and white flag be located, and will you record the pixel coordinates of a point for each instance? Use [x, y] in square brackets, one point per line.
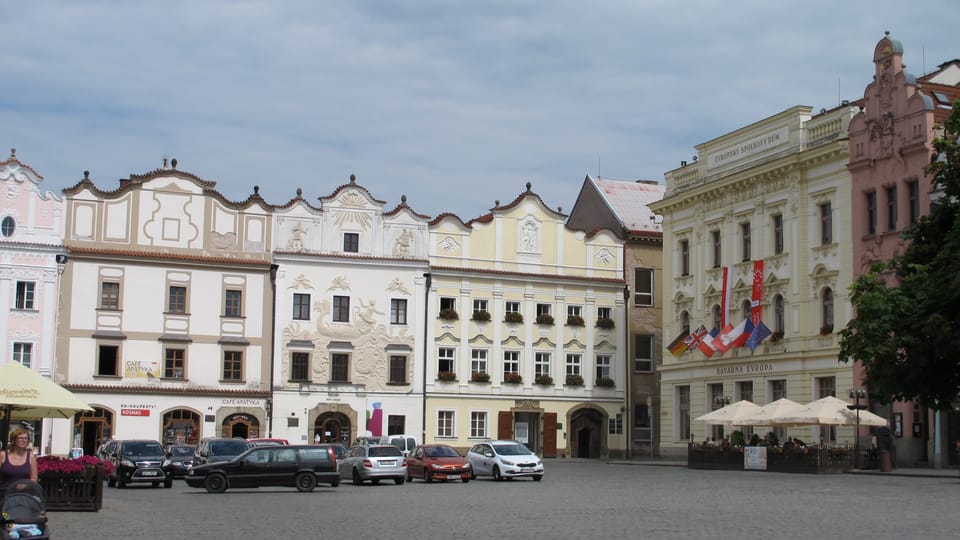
[757, 294]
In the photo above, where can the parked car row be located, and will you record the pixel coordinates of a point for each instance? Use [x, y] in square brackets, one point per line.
[217, 464]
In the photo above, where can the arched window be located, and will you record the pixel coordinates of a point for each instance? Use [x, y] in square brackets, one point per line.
[826, 311]
[685, 321]
[778, 322]
[716, 317]
[745, 309]
[7, 226]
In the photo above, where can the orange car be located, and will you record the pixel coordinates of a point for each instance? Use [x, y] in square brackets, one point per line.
[437, 462]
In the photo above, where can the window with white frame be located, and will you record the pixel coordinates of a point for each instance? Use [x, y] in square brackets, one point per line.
[447, 302]
[716, 315]
[778, 314]
[339, 367]
[25, 295]
[777, 234]
[682, 412]
[604, 366]
[745, 241]
[574, 311]
[717, 252]
[604, 313]
[478, 424]
[643, 353]
[616, 424]
[512, 307]
[478, 361]
[23, 353]
[481, 305]
[446, 360]
[541, 364]
[174, 363]
[398, 311]
[341, 309]
[826, 224]
[445, 424]
[351, 242]
[398, 369]
[299, 366]
[643, 287]
[110, 295]
[574, 361]
[543, 309]
[511, 362]
[685, 321]
[232, 303]
[301, 307]
[826, 306]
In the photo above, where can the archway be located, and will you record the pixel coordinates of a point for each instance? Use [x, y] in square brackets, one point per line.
[91, 428]
[586, 433]
[181, 426]
[332, 427]
[240, 425]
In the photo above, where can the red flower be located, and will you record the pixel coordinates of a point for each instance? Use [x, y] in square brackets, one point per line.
[59, 465]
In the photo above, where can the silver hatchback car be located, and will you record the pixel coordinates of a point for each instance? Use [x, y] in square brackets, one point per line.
[364, 462]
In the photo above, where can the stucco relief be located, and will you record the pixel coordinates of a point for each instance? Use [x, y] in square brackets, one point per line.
[223, 241]
[605, 256]
[530, 236]
[298, 237]
[301, 282]
[881, 136]
[339, 282]
[353, 198]
[403, 244]
[345, 217]
[397, 285]
[448, 244]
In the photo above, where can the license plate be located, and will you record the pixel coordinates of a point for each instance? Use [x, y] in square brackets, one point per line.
[390, 463]
[151, 473]
[527, 469]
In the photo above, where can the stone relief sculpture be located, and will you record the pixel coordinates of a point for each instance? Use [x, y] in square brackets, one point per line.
[223, 241]
[297, 236]
[367, 313]
[604, 255]
[300, 282]
[403, 243]
[339, 282]
[448, 244]
[529, 237]
[397, 286]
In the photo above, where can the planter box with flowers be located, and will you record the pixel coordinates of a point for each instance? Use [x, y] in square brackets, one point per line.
[449, 314]
[574, 380]
[480, 376]
[512, 317]
[574, 320]
[446, 376]
[73, 484]
[512, 378]
[605, 323]
[606, 382]
[545, 380]
[545, 318]
[481, 316]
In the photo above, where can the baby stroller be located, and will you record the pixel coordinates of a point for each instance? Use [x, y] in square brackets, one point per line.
[24, 512]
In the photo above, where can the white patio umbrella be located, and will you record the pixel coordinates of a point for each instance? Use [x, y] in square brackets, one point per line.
[771, 414]
[27, 395]
[830, 411]
[729, 415]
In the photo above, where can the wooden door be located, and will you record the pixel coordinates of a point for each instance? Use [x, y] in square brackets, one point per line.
[505, 425]
[550, 434]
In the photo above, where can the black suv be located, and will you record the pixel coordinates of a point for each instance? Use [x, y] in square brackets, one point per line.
[137, 461]
[301, 466]
[213, 449]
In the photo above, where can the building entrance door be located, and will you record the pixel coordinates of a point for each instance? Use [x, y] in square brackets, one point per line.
[332, 428]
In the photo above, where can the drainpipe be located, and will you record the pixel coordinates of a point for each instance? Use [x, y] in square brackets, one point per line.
[426, 332]
[628, 383]
[273, 343]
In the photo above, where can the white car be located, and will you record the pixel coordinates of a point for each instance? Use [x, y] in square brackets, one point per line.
[504, 459]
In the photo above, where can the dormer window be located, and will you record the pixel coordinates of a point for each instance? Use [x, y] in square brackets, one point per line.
[351, 242]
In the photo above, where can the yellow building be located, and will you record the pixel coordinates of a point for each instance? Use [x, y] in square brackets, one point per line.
[524, 332]
[777, 191]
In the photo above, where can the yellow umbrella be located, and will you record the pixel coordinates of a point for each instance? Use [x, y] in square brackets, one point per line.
[27, 395]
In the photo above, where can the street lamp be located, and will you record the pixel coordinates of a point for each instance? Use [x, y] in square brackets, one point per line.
[857, 394]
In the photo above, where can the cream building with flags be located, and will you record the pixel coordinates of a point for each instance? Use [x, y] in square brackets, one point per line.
[757, 230]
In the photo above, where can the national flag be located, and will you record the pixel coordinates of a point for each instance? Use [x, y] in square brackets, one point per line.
[757, 293]
[725, 292]
[760, 333]
[677, 346]
[699, 339]
[745, 335]
[710, 340]
[719, 341]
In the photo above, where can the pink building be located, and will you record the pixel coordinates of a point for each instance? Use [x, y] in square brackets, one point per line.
[31, 261]
[890, 145]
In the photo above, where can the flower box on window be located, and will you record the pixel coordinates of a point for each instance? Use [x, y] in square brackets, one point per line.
[574, 380]
[606, 382]
[513, 317]
[446, 376]
[605, 323]
[512, 378]
[826, 329]
[545, 318]
[776, 336]
[480, 376]
[481, 316]
[543, 379]
[574, 320]
[449, 314]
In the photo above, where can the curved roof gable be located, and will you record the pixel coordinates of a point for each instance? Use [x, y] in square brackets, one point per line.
[353, 184]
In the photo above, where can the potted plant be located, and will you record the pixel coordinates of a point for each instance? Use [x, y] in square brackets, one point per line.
[605, 323]
[512, 378]
[826, 329]
[574, 380]
[449, 314]
[545, 318]
[73, 484]
[776, 336]
[480, 376]
[574, 320]
[512, 317]
[447, 376]
[481, 316]
[606, 382]
[736, 439]
[545, 380]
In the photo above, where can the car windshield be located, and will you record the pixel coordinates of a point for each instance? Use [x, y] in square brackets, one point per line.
[512, 449]
[228, 448]
[181, 451]
[441, 451]
[385, 451]
[143, 449]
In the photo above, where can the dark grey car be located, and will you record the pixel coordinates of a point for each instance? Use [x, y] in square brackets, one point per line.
[213, 449]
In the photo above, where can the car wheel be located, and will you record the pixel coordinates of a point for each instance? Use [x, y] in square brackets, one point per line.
[306, 482]
[356, 478]
[465, 480]
[215, 483]
[496, 474]
[335, 483]
[375, 481]
[538, 478]
[168, 483]
[473, 475]
[427, 477]
[398, 480]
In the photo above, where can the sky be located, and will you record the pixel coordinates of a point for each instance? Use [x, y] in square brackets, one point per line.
[456, 105]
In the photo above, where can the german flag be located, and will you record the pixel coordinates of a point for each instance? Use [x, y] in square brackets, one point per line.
[679, 345]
